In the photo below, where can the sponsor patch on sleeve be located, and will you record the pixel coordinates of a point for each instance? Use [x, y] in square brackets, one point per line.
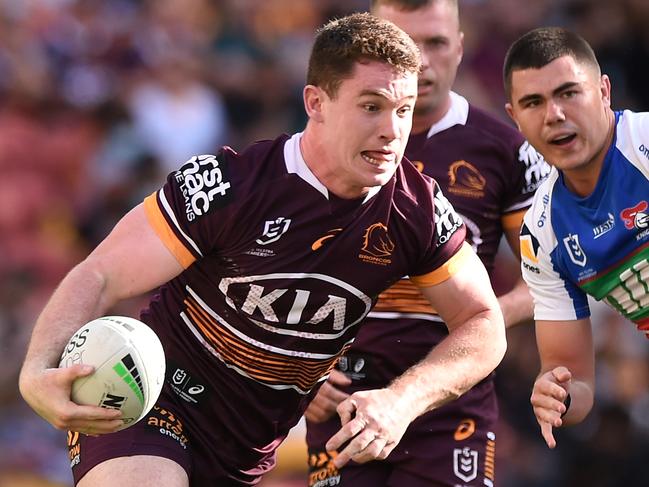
[536, 169]
[205, 185]
[529, 250]
[447, 221]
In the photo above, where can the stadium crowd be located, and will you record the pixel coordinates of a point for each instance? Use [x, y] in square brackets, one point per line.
[100, 99]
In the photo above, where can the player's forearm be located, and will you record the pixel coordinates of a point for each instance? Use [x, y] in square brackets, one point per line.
[80, 297]
[461, 360]
[517, 305]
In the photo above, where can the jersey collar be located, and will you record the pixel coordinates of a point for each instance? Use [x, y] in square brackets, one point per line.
[295, 164]
[457, 114]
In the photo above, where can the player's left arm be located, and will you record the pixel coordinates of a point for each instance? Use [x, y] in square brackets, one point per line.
[567, 368]
[517, 305]
[376, 420]
[476, 342]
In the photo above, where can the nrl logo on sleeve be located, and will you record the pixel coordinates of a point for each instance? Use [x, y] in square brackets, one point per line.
[447, 221]
[204, 184]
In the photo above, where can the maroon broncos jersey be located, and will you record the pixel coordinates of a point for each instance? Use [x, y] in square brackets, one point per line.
[279, 274]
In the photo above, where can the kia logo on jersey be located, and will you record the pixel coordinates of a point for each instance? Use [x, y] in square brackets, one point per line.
[296, 299]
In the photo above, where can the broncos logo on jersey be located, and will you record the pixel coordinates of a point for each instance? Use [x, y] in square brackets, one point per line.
[377, 242]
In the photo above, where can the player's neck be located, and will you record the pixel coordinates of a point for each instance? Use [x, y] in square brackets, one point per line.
[582, 181]
[423, 120]
[319, 161]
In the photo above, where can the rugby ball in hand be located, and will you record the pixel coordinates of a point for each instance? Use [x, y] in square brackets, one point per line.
[129, 364]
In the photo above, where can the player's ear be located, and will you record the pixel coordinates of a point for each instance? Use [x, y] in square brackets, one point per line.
[461, 47]
[510, 111]
[605, 88]
[314, 98]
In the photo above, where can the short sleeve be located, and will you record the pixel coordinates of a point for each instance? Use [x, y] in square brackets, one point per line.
[448, 238]
[188, 212]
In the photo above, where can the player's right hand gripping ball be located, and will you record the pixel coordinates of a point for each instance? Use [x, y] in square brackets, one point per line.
[129, 364]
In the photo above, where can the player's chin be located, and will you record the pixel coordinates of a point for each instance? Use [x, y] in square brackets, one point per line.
[381, 178]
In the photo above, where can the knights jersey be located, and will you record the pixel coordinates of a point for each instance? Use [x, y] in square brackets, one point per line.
[597, 245]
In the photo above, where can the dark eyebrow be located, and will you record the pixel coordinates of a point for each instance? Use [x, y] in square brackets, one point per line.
[535, 96]
[436, 38]
[372, 93]
[379, 94]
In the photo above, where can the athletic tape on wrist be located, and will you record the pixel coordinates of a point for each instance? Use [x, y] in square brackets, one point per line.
[567, 404]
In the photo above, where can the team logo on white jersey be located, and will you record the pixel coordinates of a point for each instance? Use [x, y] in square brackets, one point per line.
[636, 217]
[576, 253]
[465, 463]
[273, 230]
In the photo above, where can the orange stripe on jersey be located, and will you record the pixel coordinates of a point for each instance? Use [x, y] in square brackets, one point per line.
[285, 372]
[262, 365]
[513, 220]
[403, 297]
[161, 228]
[267, 360]
[450, 267]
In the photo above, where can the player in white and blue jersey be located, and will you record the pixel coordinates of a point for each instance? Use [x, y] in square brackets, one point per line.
[587, 232]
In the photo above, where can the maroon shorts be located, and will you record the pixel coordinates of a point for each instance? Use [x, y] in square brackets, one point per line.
[161, 433]
[167, 432]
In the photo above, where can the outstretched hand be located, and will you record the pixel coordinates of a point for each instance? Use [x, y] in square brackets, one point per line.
[373, 423]
[48, 393]
[324, 404]
[548, 396]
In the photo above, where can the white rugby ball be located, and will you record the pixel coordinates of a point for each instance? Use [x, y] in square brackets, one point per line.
[129, 364]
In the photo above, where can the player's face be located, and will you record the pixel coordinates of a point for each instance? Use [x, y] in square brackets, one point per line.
[436, 30]
[563, 109]
[365, 127]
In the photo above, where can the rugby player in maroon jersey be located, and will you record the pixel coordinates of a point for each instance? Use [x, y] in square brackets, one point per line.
[265, 264]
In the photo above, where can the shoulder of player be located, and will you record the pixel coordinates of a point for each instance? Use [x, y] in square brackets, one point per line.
[632, 136]
[538, 216]
[261, 160]
[257, 151]
[412, 186]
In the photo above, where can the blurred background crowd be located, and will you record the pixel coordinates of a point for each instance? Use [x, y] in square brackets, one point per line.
[100, 99]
